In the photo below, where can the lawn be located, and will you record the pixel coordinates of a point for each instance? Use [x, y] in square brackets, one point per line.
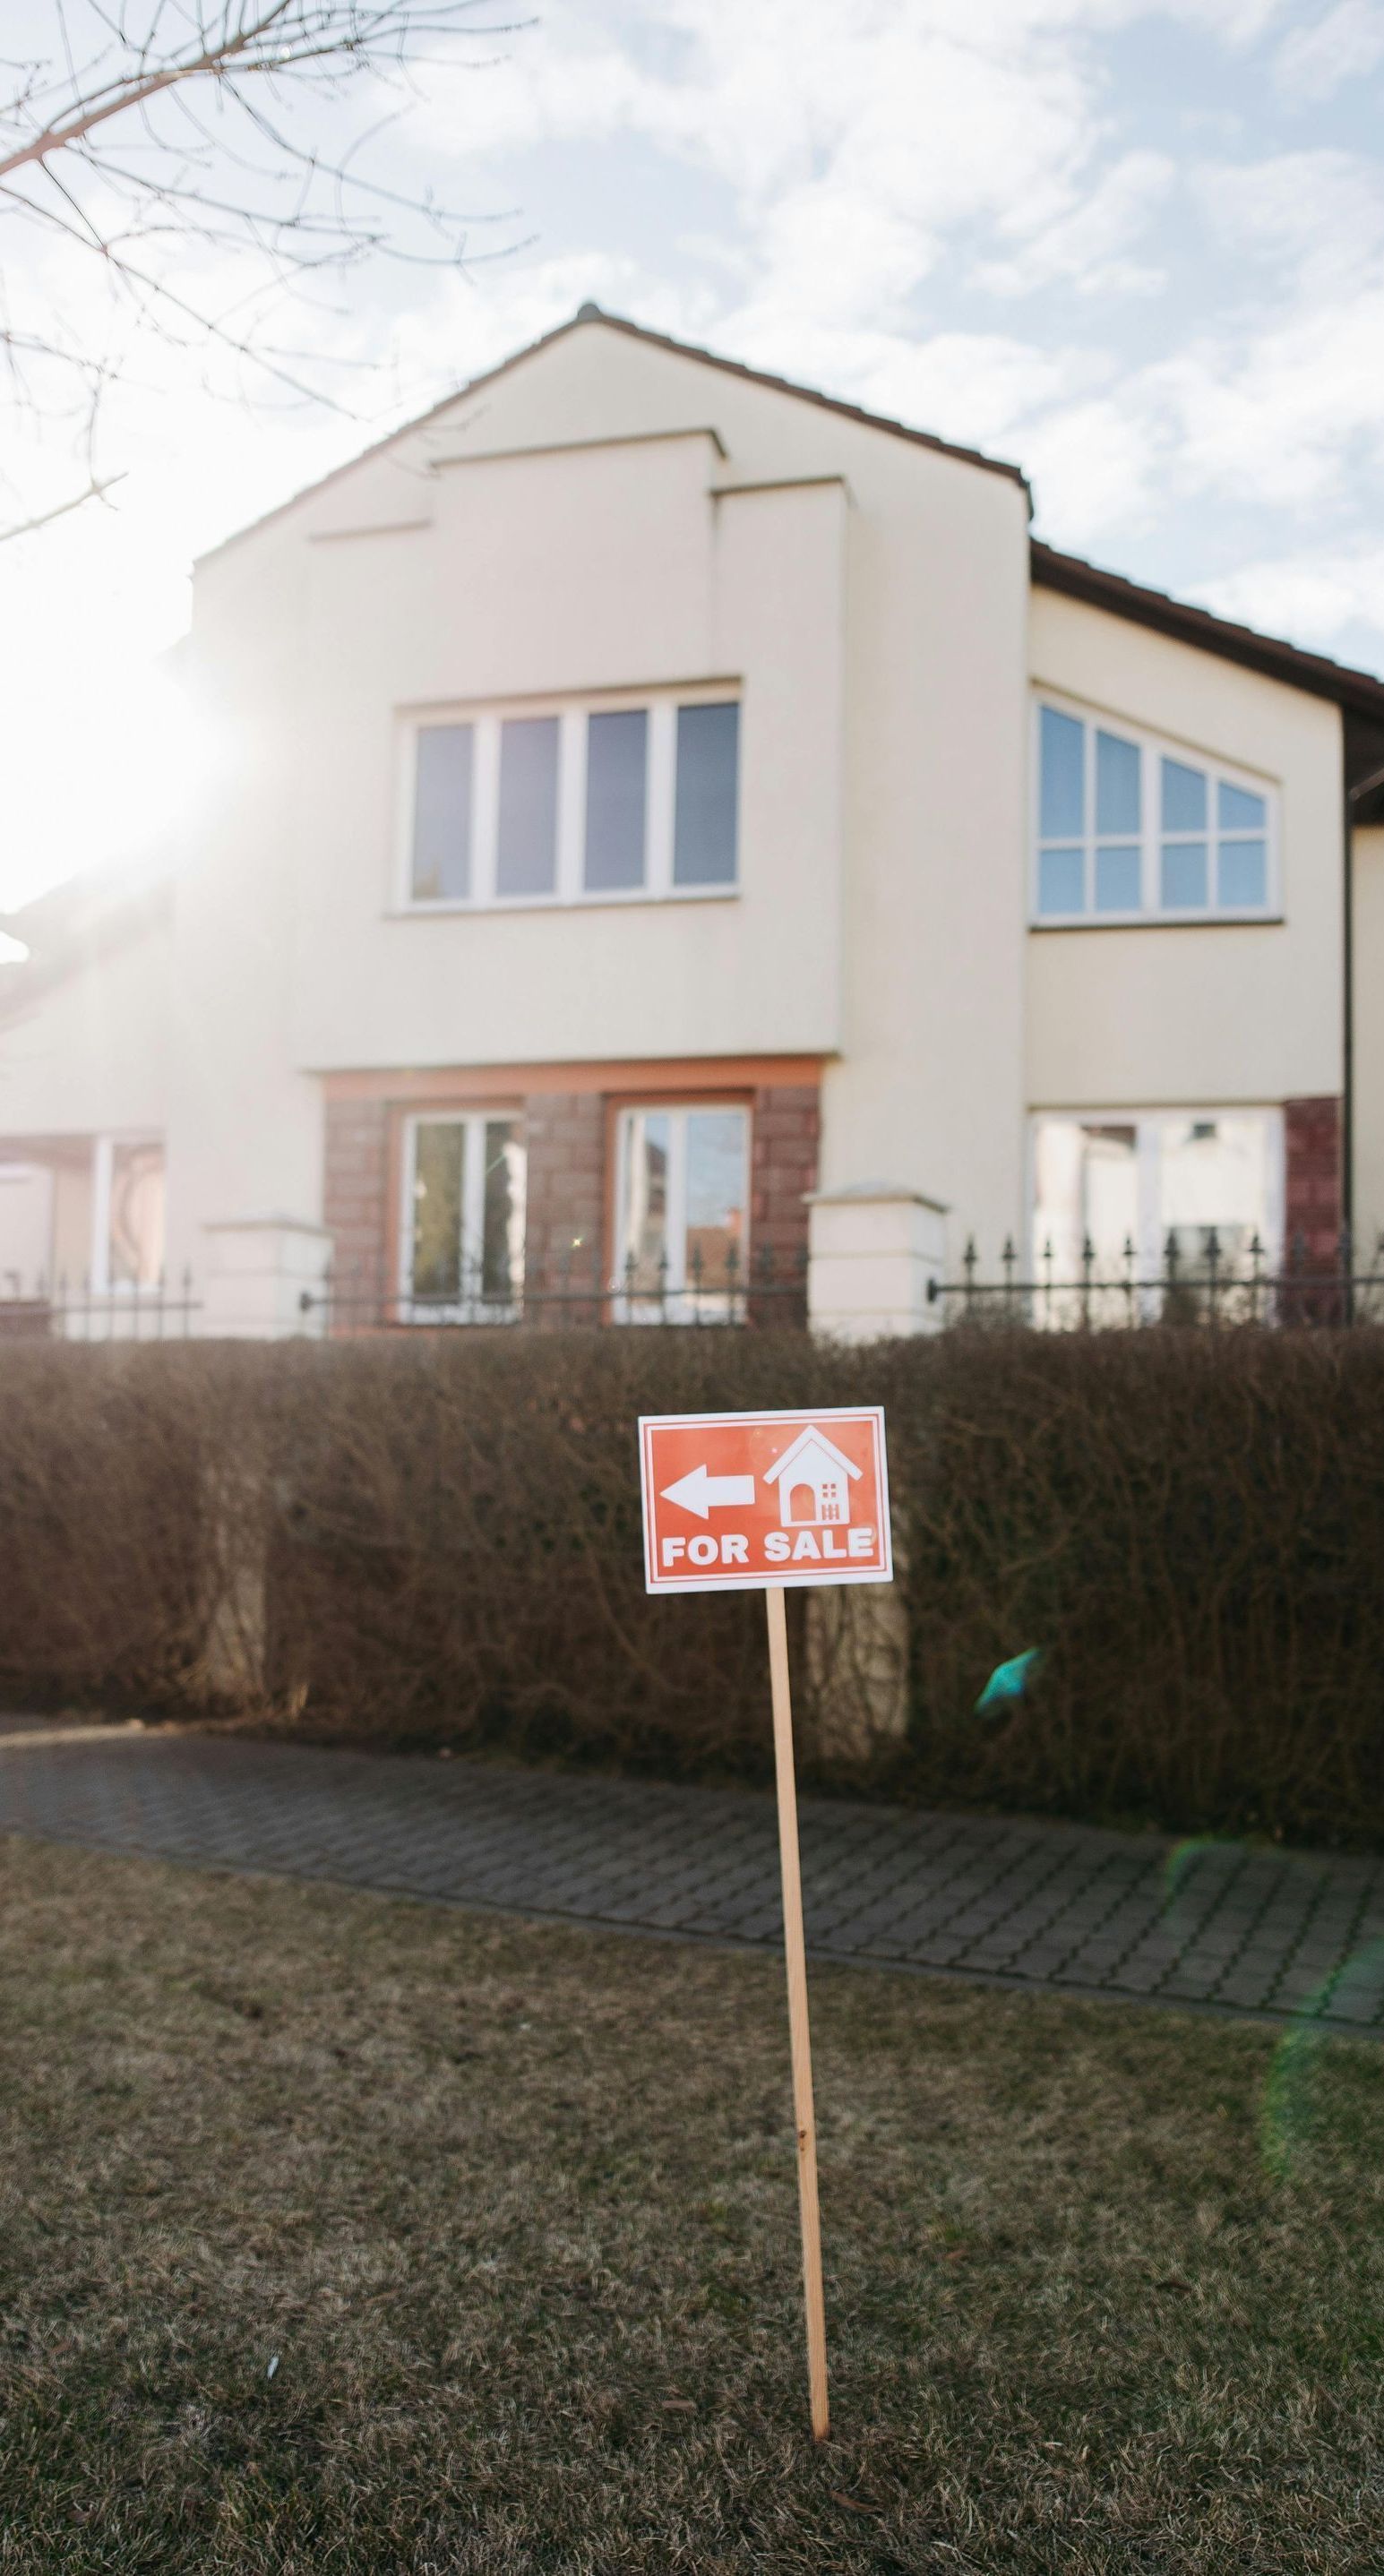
[338, 2234]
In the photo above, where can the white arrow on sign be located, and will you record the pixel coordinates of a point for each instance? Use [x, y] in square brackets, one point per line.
[701, 1493]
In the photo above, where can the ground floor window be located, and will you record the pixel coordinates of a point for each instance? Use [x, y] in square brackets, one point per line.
[1113, 1194]
[682, 1195]
[82, 1215]
[463, 1230]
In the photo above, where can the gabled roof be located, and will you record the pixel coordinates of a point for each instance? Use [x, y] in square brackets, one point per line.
[80, 922]
[812, 1438]
[654, 340]
[1360, 692]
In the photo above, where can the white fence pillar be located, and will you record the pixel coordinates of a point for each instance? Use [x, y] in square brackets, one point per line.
[872, 1250]
[259, 1270]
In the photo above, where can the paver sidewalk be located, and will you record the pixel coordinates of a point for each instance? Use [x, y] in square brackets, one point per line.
[1019, 1903]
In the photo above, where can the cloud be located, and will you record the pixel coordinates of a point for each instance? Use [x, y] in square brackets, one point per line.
[1317, 597]
[1085, 245]
[1345, 45]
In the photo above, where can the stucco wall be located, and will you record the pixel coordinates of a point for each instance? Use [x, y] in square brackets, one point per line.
[875, 620]
[1191, 1015]
[91, 1053]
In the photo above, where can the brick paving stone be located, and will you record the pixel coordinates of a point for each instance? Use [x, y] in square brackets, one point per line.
[1068, 1906]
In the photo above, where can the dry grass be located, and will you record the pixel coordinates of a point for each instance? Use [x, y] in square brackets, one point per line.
[514, 2207]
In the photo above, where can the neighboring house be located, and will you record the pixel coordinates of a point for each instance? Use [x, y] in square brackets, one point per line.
[665, 816]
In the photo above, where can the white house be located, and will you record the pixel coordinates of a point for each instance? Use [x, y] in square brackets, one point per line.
[667, 816]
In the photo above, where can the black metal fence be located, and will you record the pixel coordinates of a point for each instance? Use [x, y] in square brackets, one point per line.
[75, 1310]
[1193, 1282]
[576, 1290]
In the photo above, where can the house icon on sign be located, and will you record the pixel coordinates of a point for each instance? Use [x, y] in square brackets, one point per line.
[812, 1481]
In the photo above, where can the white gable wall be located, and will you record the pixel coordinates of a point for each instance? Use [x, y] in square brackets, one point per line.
[876, 622]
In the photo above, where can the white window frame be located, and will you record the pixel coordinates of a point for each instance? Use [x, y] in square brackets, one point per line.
[1152, 747]
[680, 1303]
[466, 1310]
[660, 707]
[102, 1177]
[1149, 1236]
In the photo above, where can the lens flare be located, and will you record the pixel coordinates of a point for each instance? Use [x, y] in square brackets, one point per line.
[1296, 2113]
[1009, 1681]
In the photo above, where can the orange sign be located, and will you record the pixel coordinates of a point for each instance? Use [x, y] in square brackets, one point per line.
[734, 1501]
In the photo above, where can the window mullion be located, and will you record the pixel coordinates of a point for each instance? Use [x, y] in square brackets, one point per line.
[485, 809]
[571, 802]
[662, 788]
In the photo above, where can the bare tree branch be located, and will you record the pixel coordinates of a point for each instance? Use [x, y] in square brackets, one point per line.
[199, 157]
[44, 518]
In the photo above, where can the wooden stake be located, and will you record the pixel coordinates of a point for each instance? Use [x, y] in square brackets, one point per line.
[795, 1960]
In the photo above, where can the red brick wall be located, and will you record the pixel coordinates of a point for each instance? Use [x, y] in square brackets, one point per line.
[355, 1199]
[783, 1165]
[1312, 1186]
[568, 1204]
[565, 1247]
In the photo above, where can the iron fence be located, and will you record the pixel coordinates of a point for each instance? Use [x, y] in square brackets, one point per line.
[1192, 1282]
[578, 1289]
[66, 1310]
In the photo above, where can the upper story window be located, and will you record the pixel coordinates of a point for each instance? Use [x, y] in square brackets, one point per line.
[1131, 829]
[599, 803]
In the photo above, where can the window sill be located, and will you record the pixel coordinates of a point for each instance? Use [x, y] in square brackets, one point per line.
[1158, 921]
[636, 900]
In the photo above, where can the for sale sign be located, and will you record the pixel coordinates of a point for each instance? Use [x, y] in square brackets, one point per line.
[736, 1501]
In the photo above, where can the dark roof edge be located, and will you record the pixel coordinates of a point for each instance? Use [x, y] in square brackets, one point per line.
[1361, 692]
[656, 340]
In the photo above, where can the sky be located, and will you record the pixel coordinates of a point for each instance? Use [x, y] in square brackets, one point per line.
[1138, 249]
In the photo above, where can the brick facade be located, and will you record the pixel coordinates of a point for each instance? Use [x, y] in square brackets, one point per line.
[1312, 1179]
[565, 1222]
[783, 1166]
[568, 1205]
[355, 1199]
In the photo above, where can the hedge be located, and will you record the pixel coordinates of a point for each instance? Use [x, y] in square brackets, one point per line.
[435, 1539]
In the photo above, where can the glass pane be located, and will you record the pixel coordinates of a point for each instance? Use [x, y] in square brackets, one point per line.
[135, 1250]
[1214, 1172]
[616, 767]
[1061, 786]
[1244, 873]
[644, 1213]
[1184, 797]
[1061, 881]
[1117, 784]
[717, 1175]
[1117, 878]
[442, 814]
[502, 1248]
[439, 1164]
[1237, 810]
[1184, 876]
[1085, 1187]
[526, 860]
[704, 829]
